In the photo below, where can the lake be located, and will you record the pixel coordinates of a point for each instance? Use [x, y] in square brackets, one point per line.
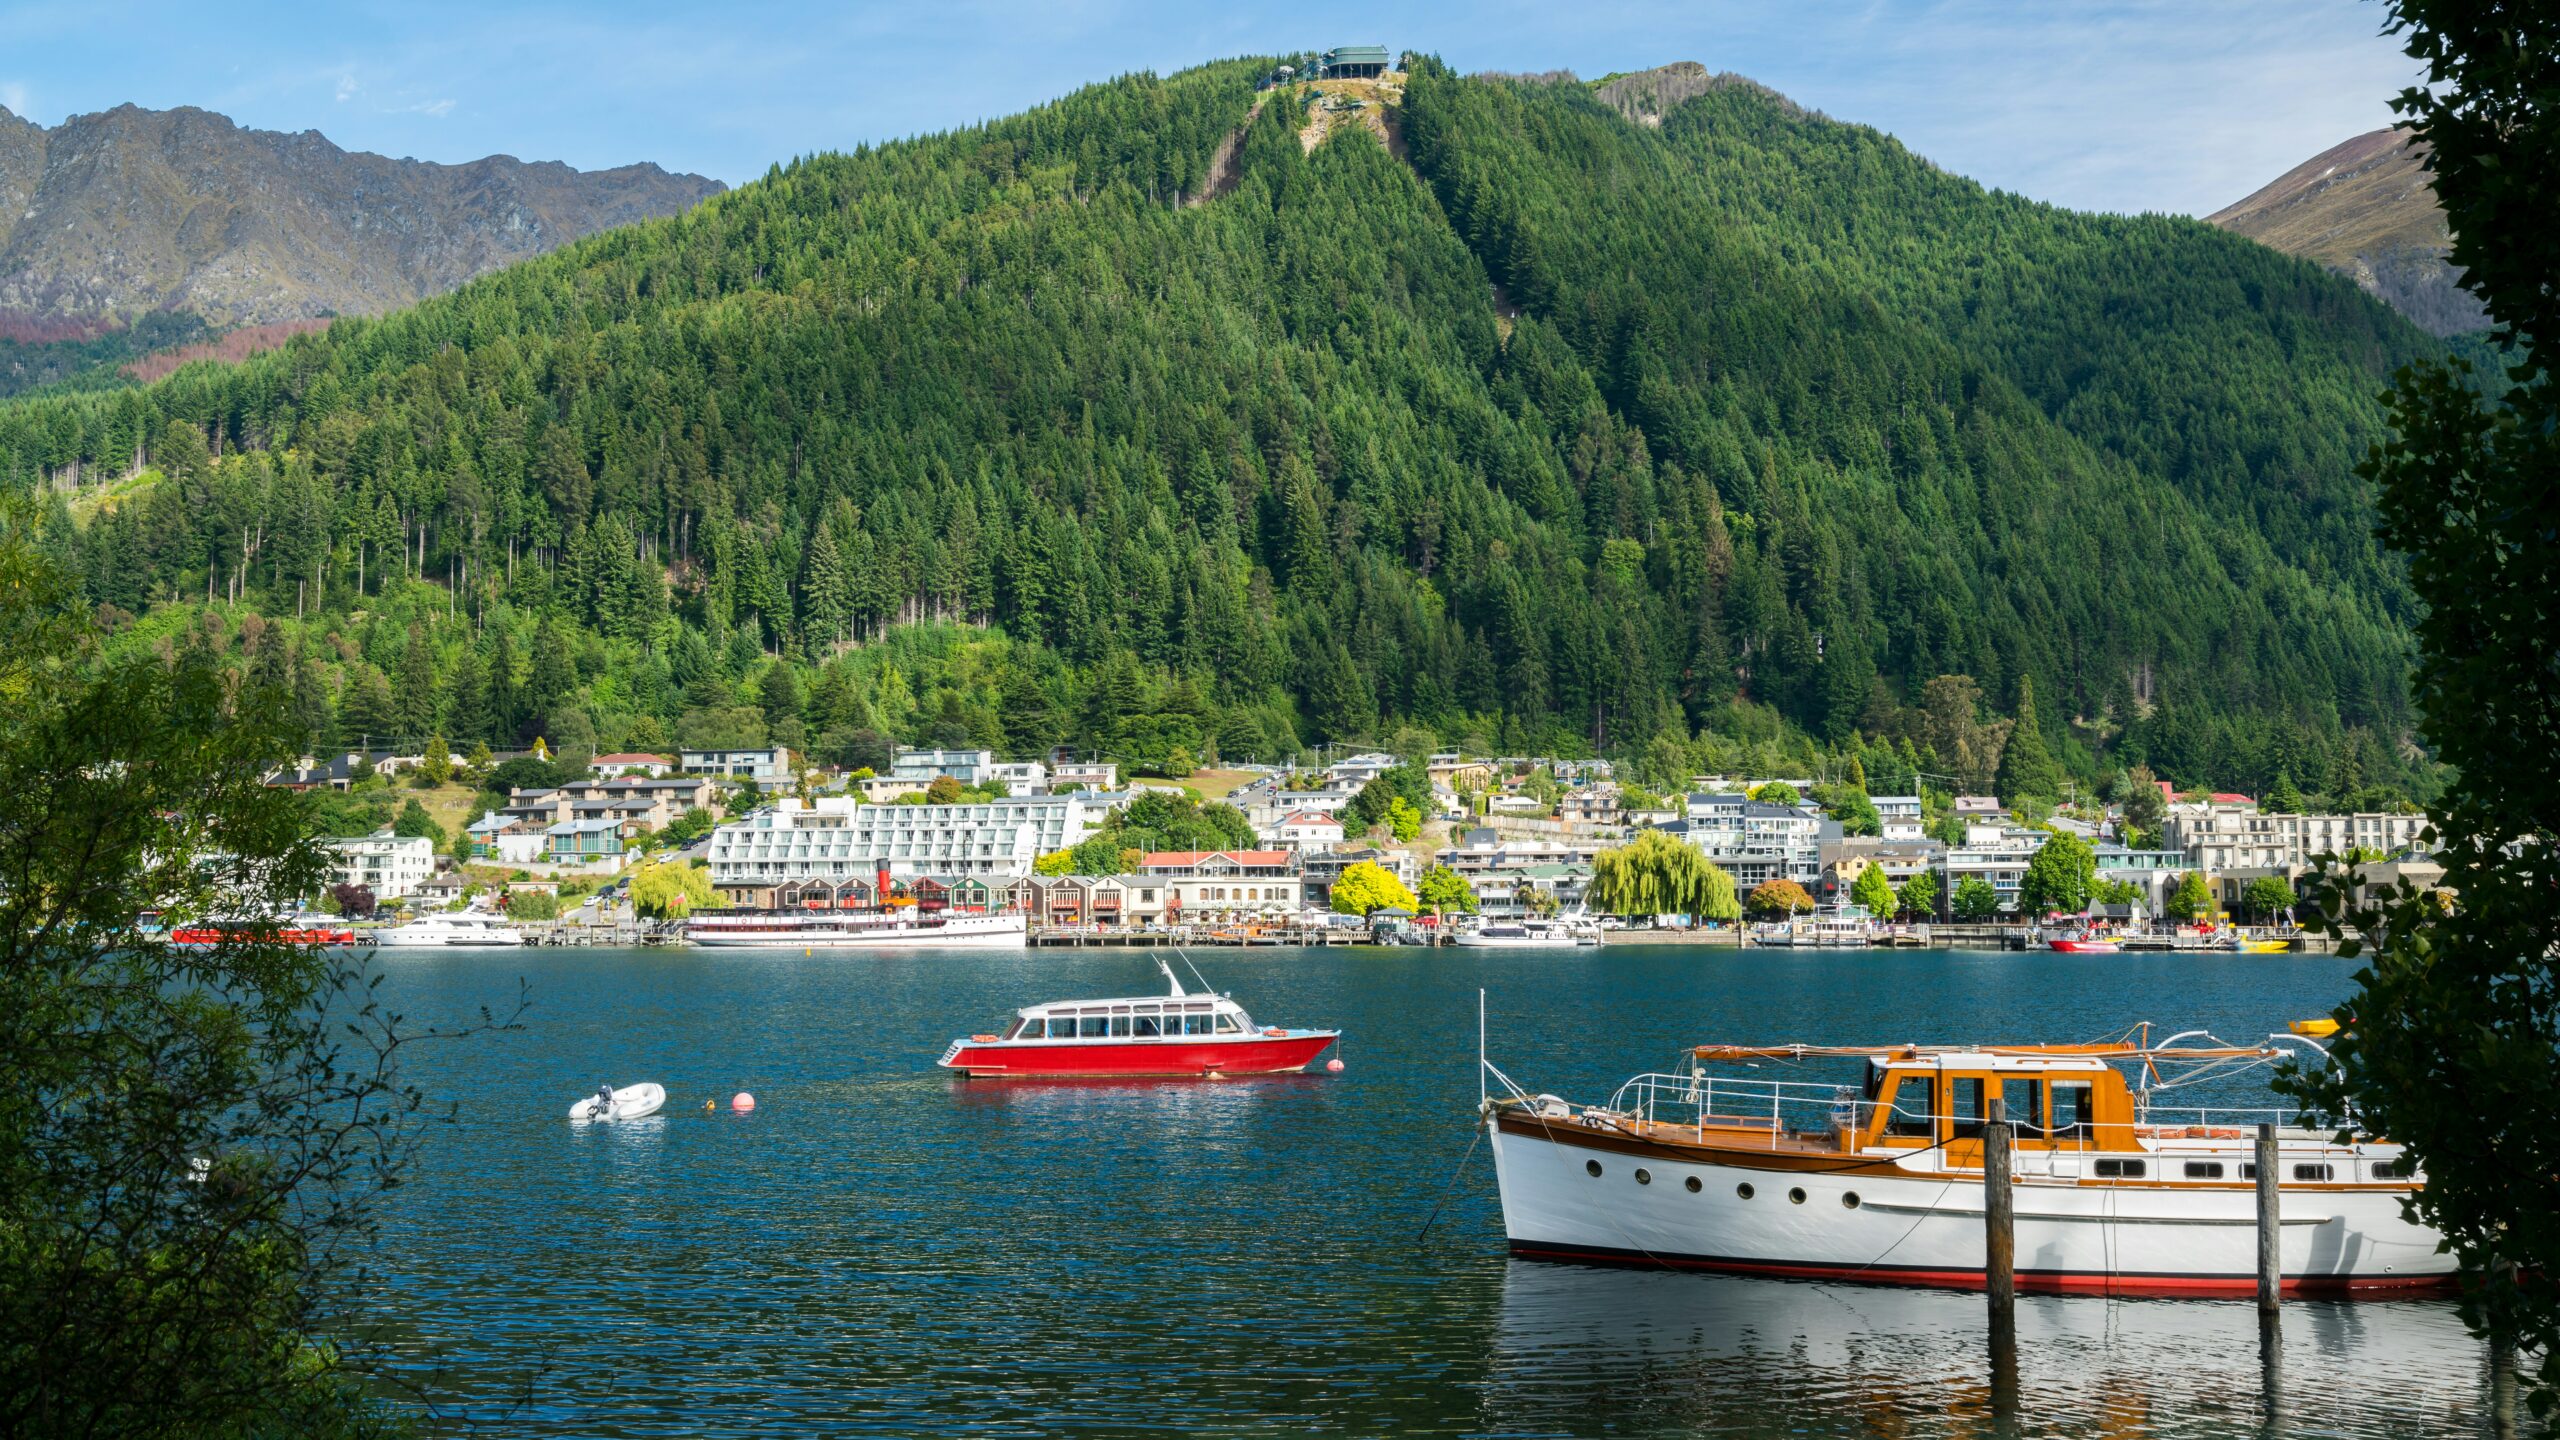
[878, 1247]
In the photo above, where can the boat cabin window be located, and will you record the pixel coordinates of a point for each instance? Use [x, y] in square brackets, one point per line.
[1120, 1024]
[1093, 1027]
[1195, 1024]
[2123, 1169]
[1906, 1098]
[1966, 1105]
[1023, 1029]
[2311, 1172]
[1150, 1026]
[2022, 1108]
[2394, 1169]
[1226, 1024]
[2075, 1109]
[2204, 1169]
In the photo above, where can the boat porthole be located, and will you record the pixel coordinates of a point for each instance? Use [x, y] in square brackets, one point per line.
[1694, 1186]
[1743, 1189]
[1643, 1176]
[1591, 1168]
[1795, 1197]
[1849, 1201]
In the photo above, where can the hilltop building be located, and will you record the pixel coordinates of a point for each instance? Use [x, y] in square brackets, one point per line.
[1353, 62]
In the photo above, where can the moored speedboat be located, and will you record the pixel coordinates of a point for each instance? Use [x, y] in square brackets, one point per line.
[1882, 1183]
[1174, 1034]
[2085, 944]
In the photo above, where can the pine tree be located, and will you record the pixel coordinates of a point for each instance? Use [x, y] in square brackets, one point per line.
[468, 713]
[2282, 798]
[826, 589]
[778, 694]
[554, 674]
[414, 697]
[506, 699]
[2027, 769]
[1030, 721]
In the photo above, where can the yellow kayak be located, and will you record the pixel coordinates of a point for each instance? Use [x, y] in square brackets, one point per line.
[2320, 1029]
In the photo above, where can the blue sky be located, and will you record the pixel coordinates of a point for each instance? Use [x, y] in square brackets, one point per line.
[2177, 105]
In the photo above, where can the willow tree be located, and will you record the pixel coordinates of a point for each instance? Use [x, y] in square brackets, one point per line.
[1656, 874]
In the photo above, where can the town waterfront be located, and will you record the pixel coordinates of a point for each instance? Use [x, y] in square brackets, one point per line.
[877, 1247]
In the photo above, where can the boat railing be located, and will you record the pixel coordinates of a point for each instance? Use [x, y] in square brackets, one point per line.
[1779, 1107]
[2221, 1122]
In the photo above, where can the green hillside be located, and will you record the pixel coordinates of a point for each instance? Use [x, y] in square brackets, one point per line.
[1052, 430]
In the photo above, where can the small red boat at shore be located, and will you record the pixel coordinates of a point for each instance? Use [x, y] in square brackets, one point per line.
[1155, 1036]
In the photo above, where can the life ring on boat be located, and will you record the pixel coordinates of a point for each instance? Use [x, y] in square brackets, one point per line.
[1273, 1030]
[983, 1039]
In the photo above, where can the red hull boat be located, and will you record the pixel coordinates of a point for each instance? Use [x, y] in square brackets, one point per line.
[1173, 1035]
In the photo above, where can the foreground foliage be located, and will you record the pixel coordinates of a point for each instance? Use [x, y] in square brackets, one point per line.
[192, 1141]
[2453, 1031]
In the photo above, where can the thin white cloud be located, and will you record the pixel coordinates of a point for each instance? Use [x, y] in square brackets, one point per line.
[432, 109]
[346, 88]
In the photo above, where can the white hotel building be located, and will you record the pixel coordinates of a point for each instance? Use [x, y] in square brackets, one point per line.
[839, 839]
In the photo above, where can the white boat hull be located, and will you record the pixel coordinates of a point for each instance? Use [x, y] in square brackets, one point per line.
[1919, 1227]
[968, 932]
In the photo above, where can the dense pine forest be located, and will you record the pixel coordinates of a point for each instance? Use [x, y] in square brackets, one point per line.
[1130, 423]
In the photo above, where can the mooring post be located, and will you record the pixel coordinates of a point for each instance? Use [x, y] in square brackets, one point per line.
[2270, 1224]
[1999, 1217]
[1999, 1257]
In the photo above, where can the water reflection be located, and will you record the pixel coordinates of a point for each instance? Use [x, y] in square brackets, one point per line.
[1581, 1350]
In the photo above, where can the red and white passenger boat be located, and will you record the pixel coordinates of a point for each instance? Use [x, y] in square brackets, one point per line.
[1882, 1182]
[1175, 1034]
[280, 930]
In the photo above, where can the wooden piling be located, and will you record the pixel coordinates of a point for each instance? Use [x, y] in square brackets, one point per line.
[1999, 1268]
[1999, 1217]
[2270, 1224]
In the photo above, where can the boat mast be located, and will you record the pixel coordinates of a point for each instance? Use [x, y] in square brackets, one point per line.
[1170, 977]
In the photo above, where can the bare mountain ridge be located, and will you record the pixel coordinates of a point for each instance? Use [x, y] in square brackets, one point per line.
[2367, 210]
[109, 215]
[1645, 96]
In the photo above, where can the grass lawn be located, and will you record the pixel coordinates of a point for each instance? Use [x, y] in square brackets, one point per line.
[1217, 784]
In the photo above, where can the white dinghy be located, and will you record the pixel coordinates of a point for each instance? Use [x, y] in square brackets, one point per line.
[629, 1103]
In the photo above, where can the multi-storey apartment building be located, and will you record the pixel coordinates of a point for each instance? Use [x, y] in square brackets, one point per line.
[2236, 837]
[838, 838]
[966, 766]
[1997, 853]
[764, 767]
[1755, 841]
[391, 866]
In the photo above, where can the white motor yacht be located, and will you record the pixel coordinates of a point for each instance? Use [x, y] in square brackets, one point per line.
[461, 930]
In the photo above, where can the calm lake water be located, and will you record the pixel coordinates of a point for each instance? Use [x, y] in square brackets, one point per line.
[880, 1248]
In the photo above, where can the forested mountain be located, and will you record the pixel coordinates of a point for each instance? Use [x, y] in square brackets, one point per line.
[1132, 422]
